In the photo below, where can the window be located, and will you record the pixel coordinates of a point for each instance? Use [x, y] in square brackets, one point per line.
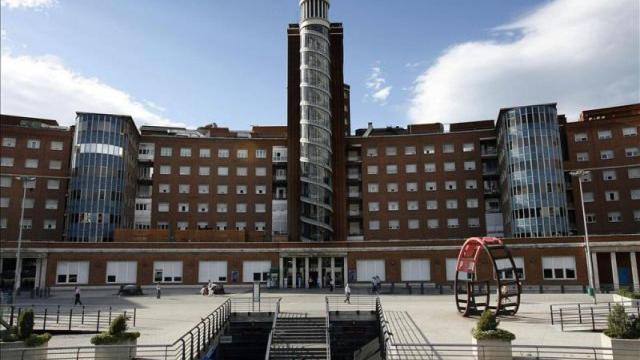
[429, 149]
[163, 225]
[634, 173]
[55, 164]
[203, 208]
[372, 152]
[452, 204]
[221, 207]
[205, 152]
[255, 271]
[430, 167]
[472, 203]
[185, 152]
[241, 171]
[452, 223]
[374, 206]
[203, 189]
[5, 181]
[393, 206]
[635, 194]
[505, 271]
[164, 188]
[261, 208]
[432, 223]
[167, 271]
[432, 204]
[636, 215]
[392, 169]
[580, 137]
[31, 163]
[223, 171]
[410, 168]
[373, 187]
[223, 153]
[215, 271]
[261, 154]
[56, 145]
[430, 186]
[606, 154]
[260, 225]
[473, 222]
[242, 153]
[241, 225]
[450, 185]
[630, 131]
[8, 142]
[415, 270]
[28, 203]
[165, 170]
[391, 151]
[467, 147]
[586, 177]
[469, 165]
[183, 207]
[241, 208]
[222, 189]
[121, 272]
[372, 169]
[3, 223]
[413, 224]
[49, 224]
[221, 225]
[241, 189]
[449, 166]
[27, 224]
[185, 170]
[53, 184]
[4, 202]
[163, 207]
[166, 151]
[558, 267]
[582, 156]
[608, 175]
[72, 272]
[447, 148]
[412, 187]
[374, 225]
[470, 184]
[184, 188]
[261, 189]
[587, 197]
[261, 171]
[604, 134]
[33, 144]
[412, 205]
[611, 195]
[409, 150]
[614, 217]
[632, 152]
[394, 224]
[392, 187]
[51, 204]
[591, 218]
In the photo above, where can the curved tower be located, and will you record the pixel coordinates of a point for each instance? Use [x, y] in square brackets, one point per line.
[316, 189]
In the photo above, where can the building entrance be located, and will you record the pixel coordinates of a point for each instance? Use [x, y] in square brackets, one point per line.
[312, 272]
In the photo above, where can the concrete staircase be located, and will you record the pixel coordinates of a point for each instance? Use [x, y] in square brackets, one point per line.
[298, 336]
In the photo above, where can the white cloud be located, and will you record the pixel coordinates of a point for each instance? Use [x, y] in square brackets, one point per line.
[378, 92]
[44, 87]
[581, 54]
[34, 4]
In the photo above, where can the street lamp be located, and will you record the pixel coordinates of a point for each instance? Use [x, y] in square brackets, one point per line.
[16, 278]
[579, 174]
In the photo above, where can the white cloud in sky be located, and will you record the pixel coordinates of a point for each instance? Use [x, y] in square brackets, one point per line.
[44, 87]
[375, 84]
[33, 4]
[582, 54]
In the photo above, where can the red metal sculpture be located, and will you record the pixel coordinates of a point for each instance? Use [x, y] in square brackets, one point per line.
[473, 295]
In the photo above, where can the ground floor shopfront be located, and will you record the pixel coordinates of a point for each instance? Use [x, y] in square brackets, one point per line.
[547, 261]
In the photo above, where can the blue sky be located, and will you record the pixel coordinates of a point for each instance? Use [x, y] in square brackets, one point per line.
[197, 62]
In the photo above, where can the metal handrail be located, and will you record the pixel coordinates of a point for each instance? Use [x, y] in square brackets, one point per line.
[273, 328]
[581, 315]
[357, 303]
[385, 334]
[327, 330]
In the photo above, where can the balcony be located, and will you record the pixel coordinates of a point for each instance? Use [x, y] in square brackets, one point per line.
[358, 237]
[354, 176]
[280, 177]
[354, 158]
[355, 213]
[279, 159]
[355, 194]
[145, 157]
[488, 152]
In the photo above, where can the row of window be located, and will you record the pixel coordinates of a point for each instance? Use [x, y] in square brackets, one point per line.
[7, 161]
[449, 185]
[27, 224]
[414, 224]
[610, 175]
[206, 152]
[629, 152]
[413, 205]
[448, 166]
[7, 182]
[32, 144]
[206, 170]
[163, 207]
[204, 189]
[611, 195]
[605, 134]
[613, 217]
[204, 225]
[426, 149]
[28, 203]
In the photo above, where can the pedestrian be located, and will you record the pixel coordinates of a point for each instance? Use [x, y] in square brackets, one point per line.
[331, 283]
[77, 296]
[347, 293]
[158, 291]
[373, 285]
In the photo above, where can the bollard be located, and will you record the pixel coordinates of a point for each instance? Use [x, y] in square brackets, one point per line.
[562, 288]
[44, 322]
[98, 322]
[82, 318]
[70, 317]
[58, 315]
[421, 288]
[134, 317]
[409, 288]
[11, 318]
[393, 286]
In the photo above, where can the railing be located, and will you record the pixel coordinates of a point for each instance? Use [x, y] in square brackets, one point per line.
[470, 351]
[385, 334]
[273, 329]
[357, 303]
[327, 329]
[155, 352]
[587, 316]
[86, 318]
[247, 305]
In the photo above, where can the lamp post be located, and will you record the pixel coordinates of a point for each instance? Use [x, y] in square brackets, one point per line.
[579, 174]
[16, 278]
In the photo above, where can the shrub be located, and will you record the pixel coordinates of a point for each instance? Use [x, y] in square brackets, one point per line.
[487, 328]
[622, 326]
[118, 325]
[629, 294]
[117, 333]
[24, 331]
[37, 340]
[25, 324]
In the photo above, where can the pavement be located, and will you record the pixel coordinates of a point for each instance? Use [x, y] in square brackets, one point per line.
[432, 317]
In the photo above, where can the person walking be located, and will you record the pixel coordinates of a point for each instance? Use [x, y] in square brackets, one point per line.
[347, 294]
[332, 284]
[77, 296]
[158, 291]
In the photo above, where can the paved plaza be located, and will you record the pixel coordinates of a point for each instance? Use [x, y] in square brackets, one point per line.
[423, 318]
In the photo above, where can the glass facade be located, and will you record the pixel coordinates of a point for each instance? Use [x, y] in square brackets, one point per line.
[315, 122]
[103, 177]
[531, 172]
